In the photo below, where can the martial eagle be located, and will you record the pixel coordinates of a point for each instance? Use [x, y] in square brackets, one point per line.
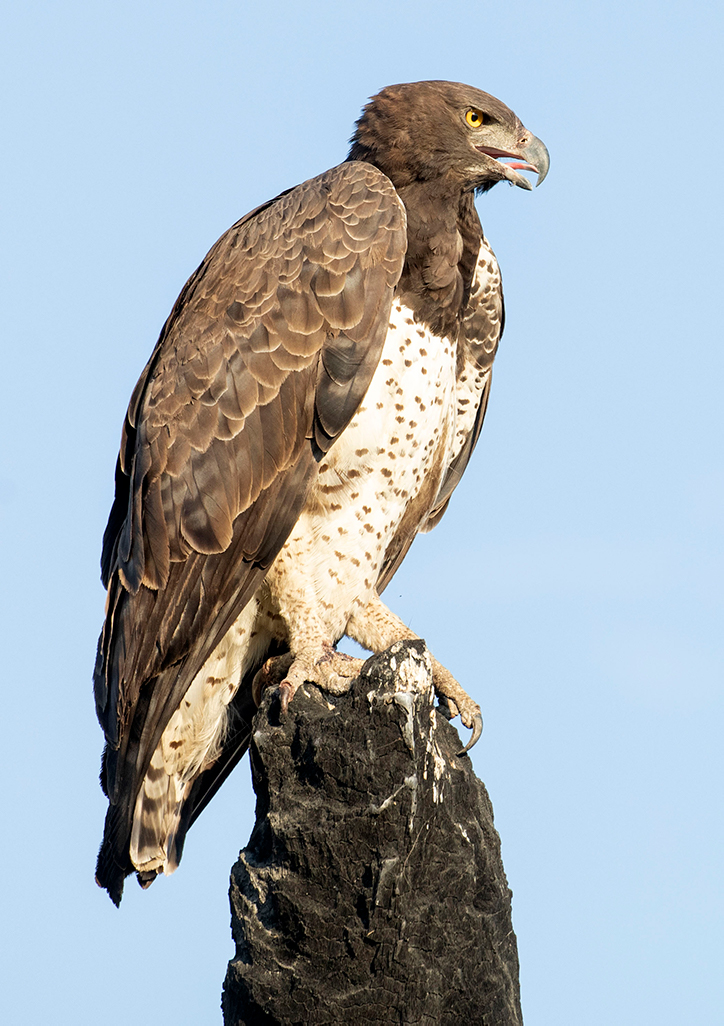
[311, 403]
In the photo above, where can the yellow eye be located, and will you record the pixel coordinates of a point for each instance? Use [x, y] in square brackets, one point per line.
[474, 118]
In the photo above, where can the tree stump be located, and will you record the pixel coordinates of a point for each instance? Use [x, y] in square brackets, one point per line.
[372, 888]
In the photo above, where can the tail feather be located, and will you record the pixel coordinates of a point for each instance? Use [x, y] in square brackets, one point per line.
[114, 863]
[146, 828]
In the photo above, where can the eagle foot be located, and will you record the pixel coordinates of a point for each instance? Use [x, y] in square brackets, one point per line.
[454, 701]
[331, 671]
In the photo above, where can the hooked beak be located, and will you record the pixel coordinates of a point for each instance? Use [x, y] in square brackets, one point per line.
[534, 158]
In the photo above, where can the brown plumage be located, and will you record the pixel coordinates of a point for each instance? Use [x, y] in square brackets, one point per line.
[241, 450]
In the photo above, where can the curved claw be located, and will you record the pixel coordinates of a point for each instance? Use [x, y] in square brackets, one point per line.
[475, 737]
[271, 674]
[286, 694]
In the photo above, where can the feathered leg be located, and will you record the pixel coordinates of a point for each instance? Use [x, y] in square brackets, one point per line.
[312, 655]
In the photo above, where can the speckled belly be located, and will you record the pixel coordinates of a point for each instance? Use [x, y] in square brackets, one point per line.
[391, 455]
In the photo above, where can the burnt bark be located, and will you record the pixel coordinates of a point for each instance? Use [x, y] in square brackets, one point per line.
[372, 888]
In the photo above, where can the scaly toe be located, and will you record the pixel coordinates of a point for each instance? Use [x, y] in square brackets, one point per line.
[447, 707]
[334, 671]
[457, 701]
[331, 671]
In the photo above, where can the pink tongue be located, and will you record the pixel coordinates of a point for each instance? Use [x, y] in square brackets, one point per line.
[520, 167]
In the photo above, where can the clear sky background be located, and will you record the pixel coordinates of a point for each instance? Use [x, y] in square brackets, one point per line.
[575, 585]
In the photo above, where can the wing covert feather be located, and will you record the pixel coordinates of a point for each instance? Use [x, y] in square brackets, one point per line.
[261, 364]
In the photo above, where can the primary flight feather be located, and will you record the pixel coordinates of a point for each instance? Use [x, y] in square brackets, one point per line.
[311, 404]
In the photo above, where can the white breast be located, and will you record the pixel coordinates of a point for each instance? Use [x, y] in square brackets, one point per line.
[400, 435]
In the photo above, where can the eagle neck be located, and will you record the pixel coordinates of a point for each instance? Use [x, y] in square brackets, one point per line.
[443, 241]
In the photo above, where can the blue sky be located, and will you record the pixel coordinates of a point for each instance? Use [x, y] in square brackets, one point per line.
[574, 586]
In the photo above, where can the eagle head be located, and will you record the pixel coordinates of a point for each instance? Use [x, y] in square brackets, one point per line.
[423, 131]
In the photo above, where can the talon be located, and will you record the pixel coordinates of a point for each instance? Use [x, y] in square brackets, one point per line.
[475, 737]
[271, 674]
[286, 694]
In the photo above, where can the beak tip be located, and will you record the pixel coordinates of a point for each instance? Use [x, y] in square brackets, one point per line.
[536, 153]
[542, 174]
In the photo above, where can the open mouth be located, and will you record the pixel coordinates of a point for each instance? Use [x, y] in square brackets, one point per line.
[490, 151]
[518, 163]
